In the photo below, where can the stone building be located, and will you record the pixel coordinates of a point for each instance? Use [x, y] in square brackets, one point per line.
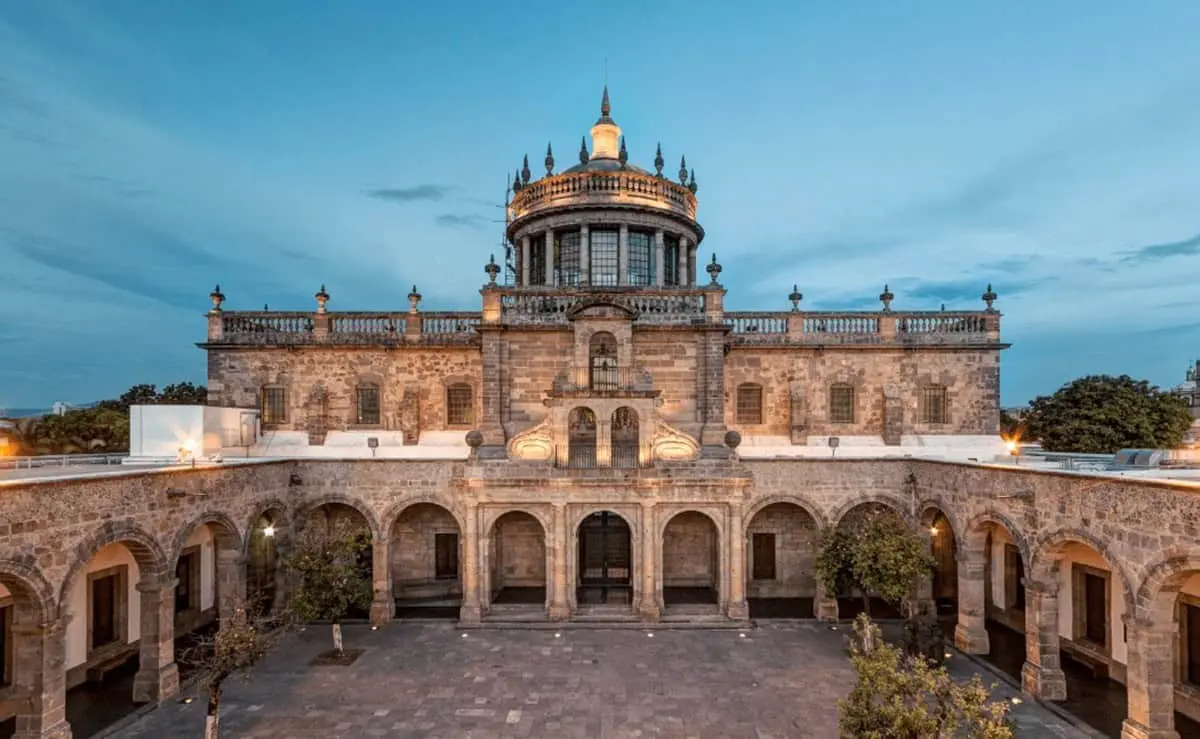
[601, 441]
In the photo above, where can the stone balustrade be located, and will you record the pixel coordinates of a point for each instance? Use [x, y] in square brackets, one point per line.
[293, 328]
[662, 306]
[603, 188]
[907, 328]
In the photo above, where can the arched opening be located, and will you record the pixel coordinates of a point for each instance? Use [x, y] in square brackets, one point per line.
[264, 573]
[625, 438]
[581, 438]
[944, 548]
[208, 582]
[602, 362]
[605, 560]
[517, 552]
[781, 551]
[1172, 594]
[426, 569]
[690, 561]
[25, 605]
[340, 519]
[851, 604]
[1003, 559]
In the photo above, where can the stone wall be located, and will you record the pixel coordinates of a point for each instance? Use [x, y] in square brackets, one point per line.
[796, 545]
[413, 542]
[518, 552]
[690, 552]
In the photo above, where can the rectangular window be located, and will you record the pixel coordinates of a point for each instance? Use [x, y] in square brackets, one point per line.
[1095, 608]
[274, 405]
[933, 404]
[602, 250]
[841, 404]
[670, 260]
[187, 574]
[445, 556]
[6, 646]
[537, 260]
[104, 618]
[763, 551]
[566, 257]
[368, 405]
[459, 406]
[749, 404]
[1014, 571]
[641, 258]
[1190, 618]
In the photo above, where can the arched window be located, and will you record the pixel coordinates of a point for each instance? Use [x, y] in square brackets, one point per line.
[366, 404]
[749, 404]
[933, 405]
[625, 438]
[460, 410]
[602, 362]
[841, 403]
[581, 438]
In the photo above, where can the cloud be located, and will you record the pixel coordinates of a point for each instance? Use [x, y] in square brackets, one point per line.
[1186, 247]
[411, 194]
[455, 219]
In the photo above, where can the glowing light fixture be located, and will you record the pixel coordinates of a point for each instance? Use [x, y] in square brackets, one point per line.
[269, 531]
[933, 529]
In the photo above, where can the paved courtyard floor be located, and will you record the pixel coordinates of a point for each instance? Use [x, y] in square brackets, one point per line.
[428, 680]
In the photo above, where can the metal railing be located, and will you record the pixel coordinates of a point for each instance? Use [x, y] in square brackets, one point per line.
[603, 380]
[60, 460]
[583, 457]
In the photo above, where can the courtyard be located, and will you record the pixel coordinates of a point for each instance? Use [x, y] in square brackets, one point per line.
[432, 680]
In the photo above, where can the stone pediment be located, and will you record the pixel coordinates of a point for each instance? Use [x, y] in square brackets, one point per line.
[600, 308]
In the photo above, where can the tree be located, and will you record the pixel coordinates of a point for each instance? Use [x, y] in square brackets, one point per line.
[139, 395]
[1010, 426]
[899, 696]
[330, 577]
[183, 393]
[878, 556]
[240, 642]
[1101, 414]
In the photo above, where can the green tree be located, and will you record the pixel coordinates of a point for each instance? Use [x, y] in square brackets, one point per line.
[898, 696]
[1010, 427]
[183, 393]
[879, 556]
[139, 395]
[331, 580]
[1101, 414]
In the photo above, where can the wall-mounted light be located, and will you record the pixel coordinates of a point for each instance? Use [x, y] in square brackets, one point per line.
[933, 530]
[269, 531]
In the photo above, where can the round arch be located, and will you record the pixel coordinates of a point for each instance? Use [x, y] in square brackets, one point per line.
[360, 506]
[684, 580]
[1043, 567]
[930, 508]
[395, 511]
[974, 536]
[805, 505]
[28, 586]
[146, 551]
[492, 516]
[225, 534]
[605, 567]
[261, 509]
[1159, 588]
[524, 581]
[892, 503]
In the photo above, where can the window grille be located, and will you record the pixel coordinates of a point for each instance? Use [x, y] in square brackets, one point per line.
[566, 259]
[670, 260]
[537, 260]
[603, 252]
[749, 404]
[368, 405]
[459, 411]
[274, 405]
[841, 404]
[641, 261]
[933, 404]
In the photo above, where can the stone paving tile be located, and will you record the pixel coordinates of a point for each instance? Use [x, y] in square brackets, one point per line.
[418, 680]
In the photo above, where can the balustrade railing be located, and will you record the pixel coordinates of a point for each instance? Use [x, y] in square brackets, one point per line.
[663, 306]
[603, 380]
[568, 187]
[925, 328]
[290, 328]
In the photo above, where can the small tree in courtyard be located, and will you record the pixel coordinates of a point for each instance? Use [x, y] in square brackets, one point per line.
[898, 696]
[331, 580]
[241, 640]
[880, 556]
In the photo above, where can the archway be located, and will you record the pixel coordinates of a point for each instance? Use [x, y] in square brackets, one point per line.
[265, 579]
[208, 573]
[581, 438]
[1168, 605]
[943, 545]
[425, 562]
[602, 362]
[691, 561]
[851, 604]
[625, 438]
[517, 553]
[605, 569]
[992, 593]
[342, 519]
[781, 551]
[27, 655]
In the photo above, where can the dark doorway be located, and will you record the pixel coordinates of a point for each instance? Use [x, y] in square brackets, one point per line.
[104, 611]
[605, 561]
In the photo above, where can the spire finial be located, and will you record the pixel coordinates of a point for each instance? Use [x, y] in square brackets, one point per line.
[658, 160]
[605, 107]
[989, 297]
[623, 155]
[525, 173]
[517, 181]
[692, 182]
[549, 159]
[683, 170]
[583, 152]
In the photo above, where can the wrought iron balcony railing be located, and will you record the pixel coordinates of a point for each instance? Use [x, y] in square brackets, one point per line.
[604, 381]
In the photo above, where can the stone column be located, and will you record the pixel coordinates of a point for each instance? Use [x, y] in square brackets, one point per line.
[550, 278]
[651, 608]
[825, 606]
[158, 676]
[470, 611]
[1150, 680]
[659, 257]
[739, 610]
[623, 255]
[970, 633]
[524, 260]
[231, 582]
[40, 692]
[603, 442]
[1042, 674]
[684, 278]
[691, 265]
[585, 256]
[560, 608]
[383, 606]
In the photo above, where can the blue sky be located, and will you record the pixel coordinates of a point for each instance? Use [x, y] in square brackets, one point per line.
[150, 150]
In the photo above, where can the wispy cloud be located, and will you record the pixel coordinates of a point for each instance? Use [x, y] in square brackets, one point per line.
[411, 194]
[461, 220]
[1187, 247]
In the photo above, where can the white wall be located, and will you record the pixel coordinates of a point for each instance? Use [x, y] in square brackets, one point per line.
[1080, 554]
[203, 538]
[77, 627]
[160, 430]
[1000, 537]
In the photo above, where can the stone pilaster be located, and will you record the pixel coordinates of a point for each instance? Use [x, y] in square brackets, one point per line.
[739, 610]
[470, 611]
[158, 676]
[825, 606]
[560, 608]
[1042, 674]
[1150, 680]
[551, 278]
[523, 261]
[489, 425]
[659, 258]
[383, 606]
[623, 255]
[970, 633]
[712, 389]
[799, 415]
[40, 691]
[231, 582]
[684, 277]
[585, 256]
[651, 606]
[893, 415]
